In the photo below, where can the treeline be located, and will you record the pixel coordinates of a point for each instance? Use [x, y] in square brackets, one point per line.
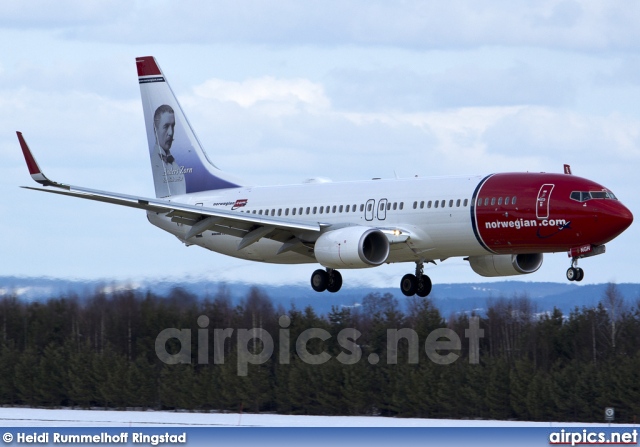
[102, 351]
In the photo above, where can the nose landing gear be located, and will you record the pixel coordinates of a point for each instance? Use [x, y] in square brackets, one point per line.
[418, 284]
[575, 273]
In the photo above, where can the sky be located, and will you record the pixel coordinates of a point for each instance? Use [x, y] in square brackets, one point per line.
[282, 91]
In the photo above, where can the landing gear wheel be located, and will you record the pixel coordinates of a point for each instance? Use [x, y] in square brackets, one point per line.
[335, 281]
[424, 286]
[409, 284]
[580, 275]
[572, 274]
[319, 280]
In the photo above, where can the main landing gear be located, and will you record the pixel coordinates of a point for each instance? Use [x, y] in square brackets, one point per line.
[328, 279]
[331, 280]
[418, 284]
[575, 273]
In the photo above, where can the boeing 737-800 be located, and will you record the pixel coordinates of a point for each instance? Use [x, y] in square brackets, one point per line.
[502, 224]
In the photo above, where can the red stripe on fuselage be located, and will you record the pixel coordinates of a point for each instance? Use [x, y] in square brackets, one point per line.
[544, 218]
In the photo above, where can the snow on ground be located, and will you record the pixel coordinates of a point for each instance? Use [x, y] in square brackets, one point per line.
[36, 417]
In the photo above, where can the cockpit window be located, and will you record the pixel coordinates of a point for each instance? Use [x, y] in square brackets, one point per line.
[583, 196]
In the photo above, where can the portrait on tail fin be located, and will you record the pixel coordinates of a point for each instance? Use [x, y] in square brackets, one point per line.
[164, 163]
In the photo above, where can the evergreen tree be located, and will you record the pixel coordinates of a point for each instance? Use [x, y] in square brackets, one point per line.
[498, 390]
[26, 377]
[81, 386]
[539, 401]
[520, 379]
[8, 391]
[51, 377]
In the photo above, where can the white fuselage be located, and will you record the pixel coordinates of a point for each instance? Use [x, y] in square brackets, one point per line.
[414, 206]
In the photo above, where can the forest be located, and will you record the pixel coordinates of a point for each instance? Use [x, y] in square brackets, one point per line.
[99, 351]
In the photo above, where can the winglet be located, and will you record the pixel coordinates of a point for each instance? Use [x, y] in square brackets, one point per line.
[32, 165]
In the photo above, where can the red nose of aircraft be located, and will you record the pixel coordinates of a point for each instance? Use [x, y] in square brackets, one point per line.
[625, 218]
[617, 219]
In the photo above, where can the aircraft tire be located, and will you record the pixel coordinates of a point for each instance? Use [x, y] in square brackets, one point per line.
[409, 284]
[319, 280]
[335, 281]
[424, 286]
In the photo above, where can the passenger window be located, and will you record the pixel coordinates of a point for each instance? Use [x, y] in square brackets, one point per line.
[500, 201]
[486, 201]
[321, 209]
[401, 205]
[286, 212]
[513, 201]
[369, 207]
[458, 203]
[451, 203]
[429, 204]
[506, 201]
[388, 206]
[466, 202]
[395, 206]
[293, 211]
[347, 209]
[442, 204]
[273, 212]
[493, 201]
[315, 209]
[436, 204]
[340, 208]
[333, 209]
[422, 204]
[354, 208]
[415, 205]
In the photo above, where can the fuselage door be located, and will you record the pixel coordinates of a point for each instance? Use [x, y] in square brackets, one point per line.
[382, 209]
[544, 199]
[369, 209]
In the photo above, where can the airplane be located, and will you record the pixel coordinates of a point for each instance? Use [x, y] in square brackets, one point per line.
[501, 223]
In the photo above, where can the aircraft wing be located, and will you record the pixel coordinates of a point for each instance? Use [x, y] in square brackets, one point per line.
[249, 227]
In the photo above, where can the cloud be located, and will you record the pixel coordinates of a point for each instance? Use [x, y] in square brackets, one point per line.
[59, 14]
[554, 134]
[457, 86]
[278, 95]
[415, 24]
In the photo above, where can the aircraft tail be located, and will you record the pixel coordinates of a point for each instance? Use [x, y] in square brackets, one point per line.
[178, 162]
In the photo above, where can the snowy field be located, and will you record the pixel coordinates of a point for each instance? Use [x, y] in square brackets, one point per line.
[34, 417]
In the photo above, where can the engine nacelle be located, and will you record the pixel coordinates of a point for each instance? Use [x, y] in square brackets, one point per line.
[352, 247]
[505, 265]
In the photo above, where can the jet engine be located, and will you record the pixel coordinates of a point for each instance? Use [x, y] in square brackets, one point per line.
[352, 247]
[505, 265]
